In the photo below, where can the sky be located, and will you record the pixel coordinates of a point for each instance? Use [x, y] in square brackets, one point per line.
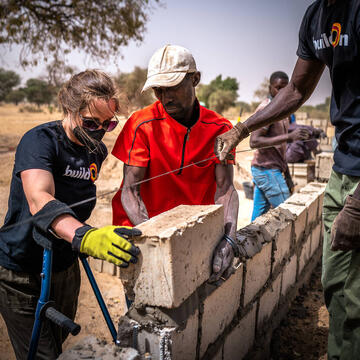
[245, 39]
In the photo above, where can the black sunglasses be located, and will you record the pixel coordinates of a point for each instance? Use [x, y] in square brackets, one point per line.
[93, 124]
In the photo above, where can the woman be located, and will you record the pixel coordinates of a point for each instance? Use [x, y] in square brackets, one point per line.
[56, 165]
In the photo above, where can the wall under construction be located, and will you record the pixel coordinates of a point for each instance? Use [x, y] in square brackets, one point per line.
[178, 315]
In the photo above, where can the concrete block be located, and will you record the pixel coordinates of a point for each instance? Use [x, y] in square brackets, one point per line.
[300, 169]
[305, 254]
[269, 302]
[96, 264]
[273, 222]
[169, 342]
[324, 164]
[220, 308]
[282, 243]
[257, 273]
[109, 268]
[314, 187]
[288, 275]
[241, 339]
[319, 189]
[299, 182]
[303, 173]
[300, 211]
[311, 201]
[176, 254]
[316, 238]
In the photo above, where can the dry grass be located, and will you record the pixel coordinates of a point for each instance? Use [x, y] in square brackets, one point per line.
[13, 124]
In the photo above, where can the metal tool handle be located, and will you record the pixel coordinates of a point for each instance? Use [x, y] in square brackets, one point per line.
[63, 321]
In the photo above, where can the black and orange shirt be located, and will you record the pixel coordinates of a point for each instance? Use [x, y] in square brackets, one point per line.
[331, 34]
[153, 139]
[74, 170]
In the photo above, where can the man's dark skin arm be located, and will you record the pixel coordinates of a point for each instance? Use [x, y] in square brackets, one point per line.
[130, 195]
[227, 196]
[259, 139]
[304, 79]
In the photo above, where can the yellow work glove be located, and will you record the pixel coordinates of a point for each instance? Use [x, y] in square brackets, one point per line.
[110, 243]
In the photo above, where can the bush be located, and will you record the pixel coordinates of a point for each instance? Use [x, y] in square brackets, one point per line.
[221, 100]
[30, 109]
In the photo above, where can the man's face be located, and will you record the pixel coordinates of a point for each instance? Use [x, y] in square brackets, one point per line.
[277, 85]
[178, 101]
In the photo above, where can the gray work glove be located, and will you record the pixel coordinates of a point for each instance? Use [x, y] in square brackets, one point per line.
[345, 232]
[223, 259]
[225, 142]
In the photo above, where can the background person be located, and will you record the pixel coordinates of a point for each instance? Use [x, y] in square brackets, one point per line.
[56, 165]
[329, 36]
[269, 164]
[298, 151]
[173, 133]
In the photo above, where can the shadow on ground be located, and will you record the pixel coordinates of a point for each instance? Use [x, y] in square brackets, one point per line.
[303, 333]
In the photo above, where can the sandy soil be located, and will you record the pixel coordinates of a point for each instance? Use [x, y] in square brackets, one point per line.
[14, 124]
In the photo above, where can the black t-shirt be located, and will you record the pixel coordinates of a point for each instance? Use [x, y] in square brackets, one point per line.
[74, 169]
[331, 34]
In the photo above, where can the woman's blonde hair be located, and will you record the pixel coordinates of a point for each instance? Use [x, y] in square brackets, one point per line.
[80, 91]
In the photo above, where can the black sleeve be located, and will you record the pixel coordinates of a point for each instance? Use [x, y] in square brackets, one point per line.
[36, 150]
[305, 51]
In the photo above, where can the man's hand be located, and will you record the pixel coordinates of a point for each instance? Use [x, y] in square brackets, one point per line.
[319, 133]
[345, 232]
[299, 134]
[225, 142]
[222, 262]
[110, 243]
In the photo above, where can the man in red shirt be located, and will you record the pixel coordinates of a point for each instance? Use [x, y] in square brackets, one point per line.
[176, 132]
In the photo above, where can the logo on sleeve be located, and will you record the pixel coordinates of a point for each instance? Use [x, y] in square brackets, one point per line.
[334, 39]
[82, 173]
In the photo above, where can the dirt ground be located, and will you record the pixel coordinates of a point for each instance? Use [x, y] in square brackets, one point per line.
[301, 336]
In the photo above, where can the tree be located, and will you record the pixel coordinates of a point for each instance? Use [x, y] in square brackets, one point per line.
[50, 29]
[244, 106]
[8, 80]
[320, 111]
[15, 96]
[223, 89]
[39, 92]
[263, 90]
[221, 100]
[130, 84]
[58, 72]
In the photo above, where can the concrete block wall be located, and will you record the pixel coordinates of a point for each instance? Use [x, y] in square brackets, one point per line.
[181, 316]
[302, 173]
[323, 166]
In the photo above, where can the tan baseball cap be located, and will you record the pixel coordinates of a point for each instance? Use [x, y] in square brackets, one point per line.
[168, 66]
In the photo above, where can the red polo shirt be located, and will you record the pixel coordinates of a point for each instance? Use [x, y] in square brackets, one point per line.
[153, 139]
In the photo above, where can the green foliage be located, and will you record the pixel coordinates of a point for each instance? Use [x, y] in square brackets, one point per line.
[131, 84]
[58, 72]
[263, 90]
[15, 96]
[8, 80]
[219, 94]
[50, 29]
[243, 106]
[320, 111]
[39, 92]
[221, 100]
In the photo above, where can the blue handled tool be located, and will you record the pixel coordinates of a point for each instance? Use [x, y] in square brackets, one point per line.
[99, 298]
[45, 308]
